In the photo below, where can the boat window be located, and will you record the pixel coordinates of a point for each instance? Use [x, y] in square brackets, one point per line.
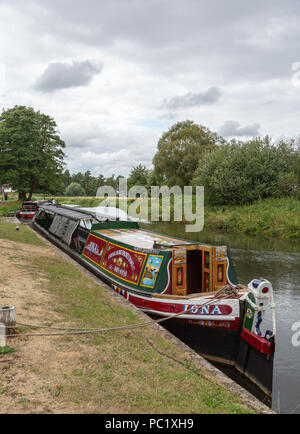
[82, 224]
[86, 224]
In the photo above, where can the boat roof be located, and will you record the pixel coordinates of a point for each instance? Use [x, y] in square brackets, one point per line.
[105, 213]
[141, 238]
[70, 213]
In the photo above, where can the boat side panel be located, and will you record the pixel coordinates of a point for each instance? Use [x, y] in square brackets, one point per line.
[149, 272]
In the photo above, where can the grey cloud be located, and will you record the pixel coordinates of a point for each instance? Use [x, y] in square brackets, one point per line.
[190, 99]
[233, 128]
[239, 39]
[61, 75]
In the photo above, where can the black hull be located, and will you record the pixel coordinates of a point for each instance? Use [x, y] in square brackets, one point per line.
[256, 366]
[227, 348]
[214, 344]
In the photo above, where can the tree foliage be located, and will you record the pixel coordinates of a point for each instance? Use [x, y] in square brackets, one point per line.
[75, 189]
[138, 176]
[87, 181]
[31, 151]
[180, 149]
[242, 172]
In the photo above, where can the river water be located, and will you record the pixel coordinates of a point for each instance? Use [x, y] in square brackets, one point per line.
[279, 262]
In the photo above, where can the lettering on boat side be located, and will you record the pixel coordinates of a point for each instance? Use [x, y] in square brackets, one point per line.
[126, 255]
[212, 309]
[94, 249]
[211, 323]
[123, 263]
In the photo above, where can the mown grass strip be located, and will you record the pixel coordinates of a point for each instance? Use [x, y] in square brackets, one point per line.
[23, 235]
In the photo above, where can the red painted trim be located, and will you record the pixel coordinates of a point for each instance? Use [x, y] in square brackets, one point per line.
[174, 308]
[258, 342]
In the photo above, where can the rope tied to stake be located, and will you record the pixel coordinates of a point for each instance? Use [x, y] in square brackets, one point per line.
[77, 331]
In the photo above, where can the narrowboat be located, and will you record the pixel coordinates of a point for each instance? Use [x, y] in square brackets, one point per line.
[192, 286]
[29, 208]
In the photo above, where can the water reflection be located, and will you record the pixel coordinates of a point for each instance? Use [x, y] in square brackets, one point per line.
[279, 262]
[240, 241]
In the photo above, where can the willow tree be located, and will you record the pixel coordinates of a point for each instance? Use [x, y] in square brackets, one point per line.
[31, 151]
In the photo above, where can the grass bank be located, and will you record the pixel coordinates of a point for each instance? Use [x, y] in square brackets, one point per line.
[23, 235]
[9, 206]
[127, 371]
[278, 218]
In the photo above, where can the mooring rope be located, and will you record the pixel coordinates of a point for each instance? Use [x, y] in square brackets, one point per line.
[77, 331]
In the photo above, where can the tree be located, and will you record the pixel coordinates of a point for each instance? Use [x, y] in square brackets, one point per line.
[180, 149]
[31, 151]
[65, 180]
[112, 181]
[138, 176]
[75, 189]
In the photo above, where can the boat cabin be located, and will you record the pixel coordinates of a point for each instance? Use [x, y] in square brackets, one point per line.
[139, 259]
[190, 267]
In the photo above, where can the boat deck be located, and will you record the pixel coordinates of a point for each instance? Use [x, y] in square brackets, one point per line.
[142, 239]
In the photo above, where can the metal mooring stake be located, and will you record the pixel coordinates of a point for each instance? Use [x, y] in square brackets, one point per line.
[7, 322]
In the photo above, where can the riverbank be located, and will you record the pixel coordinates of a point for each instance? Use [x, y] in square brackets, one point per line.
[270, 218]
[125, 371]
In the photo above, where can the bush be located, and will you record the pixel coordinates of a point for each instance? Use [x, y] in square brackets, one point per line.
[75, 189]
[287, 184]
[242, 172]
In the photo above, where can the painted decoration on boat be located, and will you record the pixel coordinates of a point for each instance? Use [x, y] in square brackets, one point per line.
[206, 282]
[179, 257]
[123, 263]
[94, 249]
[179, 275]
[151, 271]
[221, 253]
[220, 273]
[206, 259]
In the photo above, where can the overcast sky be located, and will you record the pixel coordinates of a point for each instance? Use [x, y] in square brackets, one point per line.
[115, 75]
